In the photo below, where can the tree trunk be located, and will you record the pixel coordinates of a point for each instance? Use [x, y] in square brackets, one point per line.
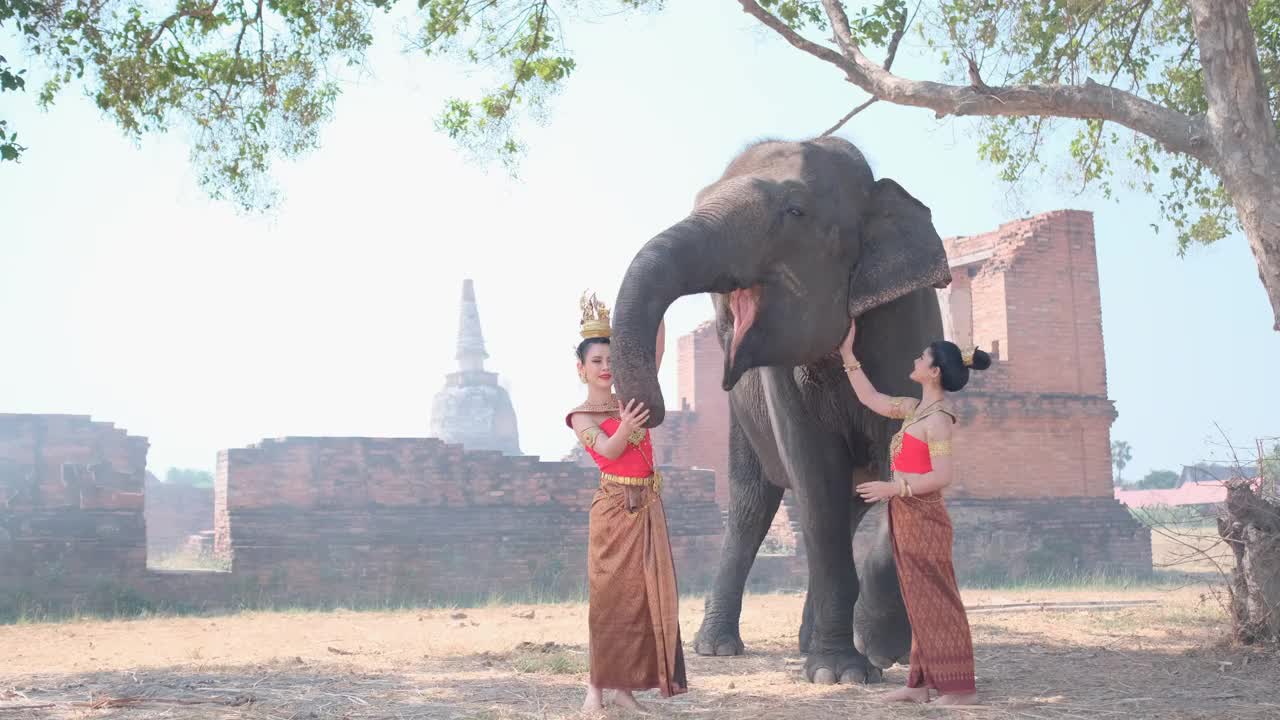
[1252, 527]
[1242, 131]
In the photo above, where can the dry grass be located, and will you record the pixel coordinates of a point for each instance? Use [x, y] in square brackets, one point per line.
[1190, 548]
[1150, 653]
[188, 561]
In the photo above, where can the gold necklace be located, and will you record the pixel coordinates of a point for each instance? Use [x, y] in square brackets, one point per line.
[609, 406]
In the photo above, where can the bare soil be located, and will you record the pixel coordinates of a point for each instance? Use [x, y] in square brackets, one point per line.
[1040, 654]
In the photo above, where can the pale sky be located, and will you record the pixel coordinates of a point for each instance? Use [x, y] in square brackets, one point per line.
[128, 295]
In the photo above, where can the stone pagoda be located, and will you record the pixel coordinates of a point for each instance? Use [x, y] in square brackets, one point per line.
[472, 409]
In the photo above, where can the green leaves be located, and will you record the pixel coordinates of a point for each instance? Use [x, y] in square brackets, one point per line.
[10, 81]
[798, 14]
[253, 81]
[1146, 47]
[9, 147]
[519, 44]
[870, 26]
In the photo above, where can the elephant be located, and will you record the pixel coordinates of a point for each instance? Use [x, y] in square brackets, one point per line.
[793, 240]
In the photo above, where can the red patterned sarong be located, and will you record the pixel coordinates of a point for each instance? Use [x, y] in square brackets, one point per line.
[941, 645]
[633, 616]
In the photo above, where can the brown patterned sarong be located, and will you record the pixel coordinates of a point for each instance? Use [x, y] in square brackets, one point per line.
[634, 606]
[941, 645]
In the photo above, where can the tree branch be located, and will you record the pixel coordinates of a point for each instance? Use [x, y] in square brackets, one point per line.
[1175, 131]
[168, 22]
[1128, 48]
[840, 123]
[888, 63]
[796, 39]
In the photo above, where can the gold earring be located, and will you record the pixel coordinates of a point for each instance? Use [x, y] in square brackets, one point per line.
[583, 378]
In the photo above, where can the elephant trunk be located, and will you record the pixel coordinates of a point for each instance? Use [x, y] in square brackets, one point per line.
[687, 258]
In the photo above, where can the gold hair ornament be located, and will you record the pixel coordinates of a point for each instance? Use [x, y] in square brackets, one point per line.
[967, 357]
[595, 317]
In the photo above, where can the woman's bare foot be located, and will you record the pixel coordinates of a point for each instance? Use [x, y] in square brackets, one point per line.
[908, 694]
[595, 700]
[969, 698]
[624, 699]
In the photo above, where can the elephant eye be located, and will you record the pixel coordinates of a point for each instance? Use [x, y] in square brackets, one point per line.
[795, 212]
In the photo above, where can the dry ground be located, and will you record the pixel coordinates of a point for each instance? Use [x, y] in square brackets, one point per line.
[1162, 659]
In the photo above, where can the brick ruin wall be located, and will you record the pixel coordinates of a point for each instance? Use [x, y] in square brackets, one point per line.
[367, 519]
[71, 513]
[316, 521]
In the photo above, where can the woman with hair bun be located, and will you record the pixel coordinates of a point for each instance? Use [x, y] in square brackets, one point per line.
[920, 455]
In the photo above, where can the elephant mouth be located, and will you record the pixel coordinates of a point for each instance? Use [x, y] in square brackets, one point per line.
[744, 304]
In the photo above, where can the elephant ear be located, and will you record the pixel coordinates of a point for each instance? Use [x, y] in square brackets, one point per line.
[900, 250]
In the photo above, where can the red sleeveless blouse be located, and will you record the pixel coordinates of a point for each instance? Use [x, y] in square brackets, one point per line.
[634, 462]
[913, 456]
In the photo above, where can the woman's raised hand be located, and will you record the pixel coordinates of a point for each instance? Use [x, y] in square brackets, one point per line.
[846, 347]
[633, 416]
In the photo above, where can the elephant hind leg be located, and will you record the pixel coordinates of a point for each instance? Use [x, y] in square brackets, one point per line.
[753, 501]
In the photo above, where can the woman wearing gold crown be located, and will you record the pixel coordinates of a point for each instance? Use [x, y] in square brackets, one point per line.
[633, 619]
[920, 456]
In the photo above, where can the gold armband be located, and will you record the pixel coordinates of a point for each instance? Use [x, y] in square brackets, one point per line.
[636, 437]
[589, 436]
[938, 448]
[895, 408]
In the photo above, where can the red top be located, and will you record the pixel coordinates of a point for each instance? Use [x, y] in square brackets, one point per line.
[913, 456]
[634, 462]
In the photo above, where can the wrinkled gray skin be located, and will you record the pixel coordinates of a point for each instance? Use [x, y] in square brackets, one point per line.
[807, 227]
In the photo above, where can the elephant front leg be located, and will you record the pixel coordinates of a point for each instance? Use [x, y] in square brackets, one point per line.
[753, 501]
[881, 630]
[833, 593]
[819, 465]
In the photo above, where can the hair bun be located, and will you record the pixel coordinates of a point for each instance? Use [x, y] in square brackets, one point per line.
[981, 360]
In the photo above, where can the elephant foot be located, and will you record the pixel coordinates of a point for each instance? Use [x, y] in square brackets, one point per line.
[883, 636]
[720, 639]
[845, 666]
[884, 662]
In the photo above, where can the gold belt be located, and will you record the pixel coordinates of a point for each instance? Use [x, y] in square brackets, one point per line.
[653, 482]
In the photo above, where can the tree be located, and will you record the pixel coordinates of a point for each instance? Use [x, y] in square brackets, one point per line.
[1121, 454]
[1269, 471]
[1157, 480]
[1186, 95]
[194, 478]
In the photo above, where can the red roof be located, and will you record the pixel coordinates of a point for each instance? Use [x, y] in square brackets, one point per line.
[1208, 492]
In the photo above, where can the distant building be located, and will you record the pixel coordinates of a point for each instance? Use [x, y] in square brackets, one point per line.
[473, 410]
[1214, 473]
[1203, 496]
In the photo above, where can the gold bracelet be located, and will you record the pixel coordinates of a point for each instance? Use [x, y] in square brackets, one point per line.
[850, 367]
[902, 489]
[910, 492]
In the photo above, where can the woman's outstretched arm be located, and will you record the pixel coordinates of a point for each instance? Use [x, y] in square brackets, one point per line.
[876, 401]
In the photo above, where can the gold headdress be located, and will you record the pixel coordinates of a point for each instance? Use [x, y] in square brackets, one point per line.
[967, 357]
[595, 317]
